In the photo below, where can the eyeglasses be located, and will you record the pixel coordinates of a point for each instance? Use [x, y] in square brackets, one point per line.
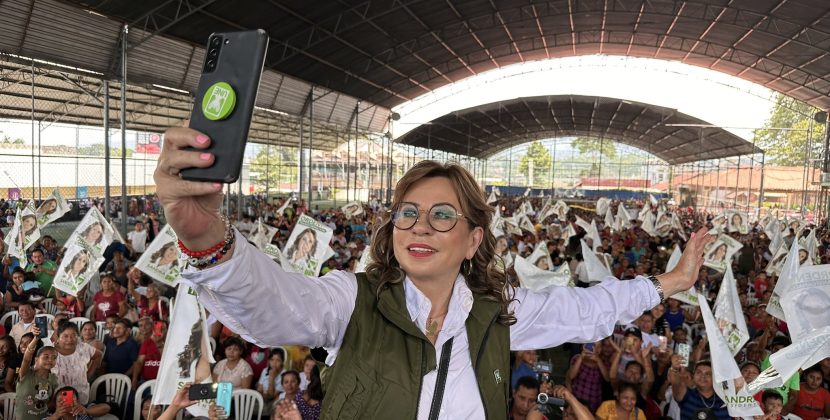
[442, 217]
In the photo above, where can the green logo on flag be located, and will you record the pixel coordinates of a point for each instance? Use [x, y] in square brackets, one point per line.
[218, 102]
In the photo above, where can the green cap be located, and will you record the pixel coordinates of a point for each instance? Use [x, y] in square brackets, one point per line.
[219, 101]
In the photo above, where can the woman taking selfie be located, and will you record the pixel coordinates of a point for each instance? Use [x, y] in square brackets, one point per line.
[431, 301]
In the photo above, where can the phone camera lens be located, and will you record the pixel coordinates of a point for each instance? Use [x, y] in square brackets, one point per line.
[215, 42]
[211, 63]
[213, 53]
[203, 391]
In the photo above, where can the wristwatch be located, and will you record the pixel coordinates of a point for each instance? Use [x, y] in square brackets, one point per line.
[658, 287]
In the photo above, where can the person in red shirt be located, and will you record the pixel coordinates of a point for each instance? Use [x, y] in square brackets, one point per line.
[760, 285]
[109, 301]
[813, 400]
[147, 364]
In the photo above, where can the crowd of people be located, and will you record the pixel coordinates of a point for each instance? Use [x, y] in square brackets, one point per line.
[640, 372]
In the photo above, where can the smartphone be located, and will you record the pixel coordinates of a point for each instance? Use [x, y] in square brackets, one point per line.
[68, 398]
[663, 343]
[202, 392]
[224, 391]
[225, 101]
[42, 323]
[683, 351]
[158, 329]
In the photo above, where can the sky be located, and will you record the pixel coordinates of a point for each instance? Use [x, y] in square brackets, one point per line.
[734, 104]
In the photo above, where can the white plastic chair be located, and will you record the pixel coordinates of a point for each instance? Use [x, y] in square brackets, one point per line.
[116, 385]
[246, 402]
[79, 321]
[8, 401]
[49, 319]
[14, 315]
[90, 312]
[49, 306]
[135, 333]
[212, 344]
[100, 330]
[167, 303]
[139, 392]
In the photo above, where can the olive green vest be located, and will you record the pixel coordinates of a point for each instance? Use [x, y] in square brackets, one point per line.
[379, 369]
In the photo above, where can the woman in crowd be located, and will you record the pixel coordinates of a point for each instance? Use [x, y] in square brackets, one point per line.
[8, 363]
[432, 255]
[308, 401]
[78, 411]
[148, 410]
[587, 374]
[270, 381]
[290, 385]
[15, 293]
[623, 407]
[150, 305]
[109, 300]
[305, 375]
[233, 368]
[76, 361]
[89, 335]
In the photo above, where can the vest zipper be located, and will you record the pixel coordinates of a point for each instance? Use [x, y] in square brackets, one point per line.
[478, 361]
[421, 380]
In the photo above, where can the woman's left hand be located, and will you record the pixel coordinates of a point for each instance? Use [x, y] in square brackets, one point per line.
[216, 412]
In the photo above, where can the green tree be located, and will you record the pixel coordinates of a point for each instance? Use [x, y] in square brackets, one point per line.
[538, 159]
[269, 170]
[590, 145]
[786, 133]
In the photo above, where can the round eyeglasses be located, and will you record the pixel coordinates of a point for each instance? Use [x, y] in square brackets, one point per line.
[441, 217]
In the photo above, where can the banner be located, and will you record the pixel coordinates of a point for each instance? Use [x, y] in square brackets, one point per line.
[729, 315]
[718, 254]
[352, 209]
[28, 225]
[738, 222]
[306, 248]
[94, 233]
[725, 371]
[52, 208]
[186, 357]
[77, 268]
[161, 258]
[806, 301]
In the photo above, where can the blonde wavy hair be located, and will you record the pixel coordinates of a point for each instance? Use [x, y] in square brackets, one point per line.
[482, 275]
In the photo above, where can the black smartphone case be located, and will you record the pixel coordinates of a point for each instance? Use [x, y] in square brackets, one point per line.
[43, 324]
[239, 64]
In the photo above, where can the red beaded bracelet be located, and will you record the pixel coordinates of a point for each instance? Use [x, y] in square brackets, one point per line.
[212, 250]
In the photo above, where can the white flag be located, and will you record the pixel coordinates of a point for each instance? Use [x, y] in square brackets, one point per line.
[365, 259]
[28, 220]
[725, 372]
[597, 270]
[602, 206]
[645, 210]
[787, 361]
[540, 257]
[609, 220]
[162, 260]
[688, 296]
[492, 198]
[729, 315]
[14, 240]
[262, 234]
[306, 248]
[806, 301]
[186, 356]
[623, 217]
[561, 209]
[526, 224]
[94, 233]
[77, 269]
[52, 208]
[789, 272]
[535, 278]
[351, 210]
[284, 206]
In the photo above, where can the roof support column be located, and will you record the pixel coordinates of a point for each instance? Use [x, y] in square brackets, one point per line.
[737, 183]
[761, 194]
[124, 205]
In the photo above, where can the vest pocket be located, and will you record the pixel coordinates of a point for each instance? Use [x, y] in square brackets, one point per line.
[349, 400]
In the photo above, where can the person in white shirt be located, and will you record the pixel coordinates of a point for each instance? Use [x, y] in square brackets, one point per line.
[434, 253]
[137, 239]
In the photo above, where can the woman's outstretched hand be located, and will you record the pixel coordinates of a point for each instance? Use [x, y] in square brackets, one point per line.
[685, 274]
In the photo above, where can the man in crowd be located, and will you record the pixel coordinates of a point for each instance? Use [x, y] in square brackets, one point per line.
[700, 399]
[137, 239]
[44, 271]
[121, 350]
[27, 321]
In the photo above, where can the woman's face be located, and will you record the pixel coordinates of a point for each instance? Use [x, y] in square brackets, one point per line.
[627, 399]
[152, 292]
[307, 367]
[80, 264]
[542, 263]
[169, 255]
[233, 352]
[68, 339]
[29, 223]
[304, 244]
[276, 363]
[48, 206]
[88, 332]
[145, 410]
[94, 234]
[501, 246]
[426, 254]
[18, 278]
[24, 342]
[658, 311]
[290, 384]
[719, 253]
[4, 348]
[47, 359]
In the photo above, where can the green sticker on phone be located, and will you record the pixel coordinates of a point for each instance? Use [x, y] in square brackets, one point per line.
[218, 102]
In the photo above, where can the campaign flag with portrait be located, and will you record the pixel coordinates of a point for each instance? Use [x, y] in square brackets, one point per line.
[305, 249]
[686, 296]
[186, 357]
[806, 300]
[52, 208]
[738, 222]
[729, 315]
[94, 233]
[718, 254]
[352, 209]
[789, 272]
[28, 224]
[535, 278]
[14, 239]
[727, 378]
[262, 234]
[162, 258]
[77, 268]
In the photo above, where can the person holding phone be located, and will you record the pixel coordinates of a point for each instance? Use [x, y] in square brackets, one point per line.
[65, 406]
[35, 384]
[587, 374]
[432, 266]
